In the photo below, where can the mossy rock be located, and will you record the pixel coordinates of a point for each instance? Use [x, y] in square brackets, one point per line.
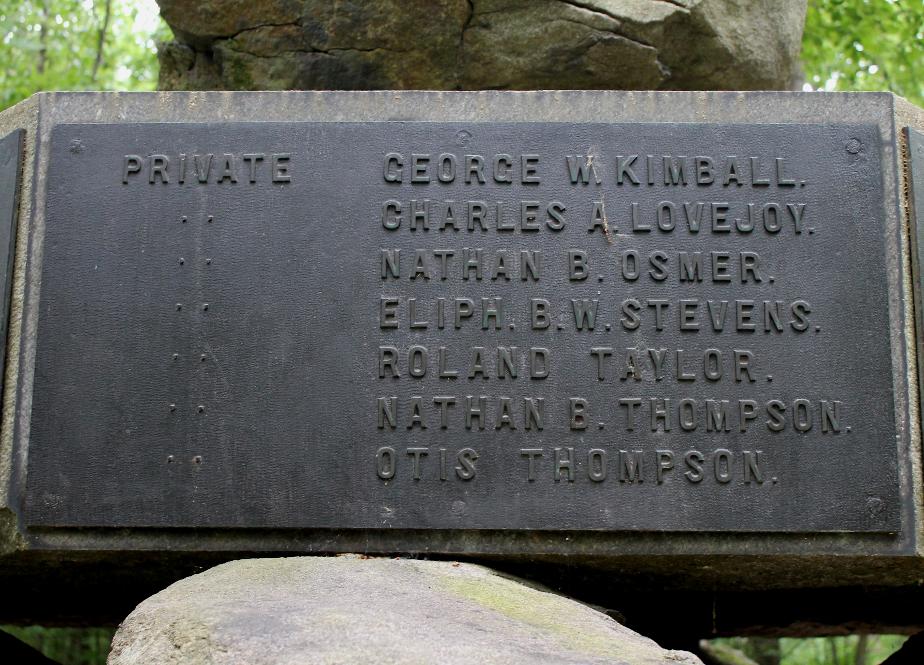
[354, 609]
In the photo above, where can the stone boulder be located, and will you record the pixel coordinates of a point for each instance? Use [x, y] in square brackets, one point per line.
[352, 609]
[482, 44]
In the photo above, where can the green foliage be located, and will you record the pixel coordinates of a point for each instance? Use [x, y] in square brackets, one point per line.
[865, 45]
[77, 45]
[68, 646]
[840, 650]
[848, 650]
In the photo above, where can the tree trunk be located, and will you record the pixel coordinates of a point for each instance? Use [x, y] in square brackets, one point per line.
[764, 650]
[860, 656]
[43, 39]
[101, 41]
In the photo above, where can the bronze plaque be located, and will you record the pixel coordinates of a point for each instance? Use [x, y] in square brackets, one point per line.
[548, 326]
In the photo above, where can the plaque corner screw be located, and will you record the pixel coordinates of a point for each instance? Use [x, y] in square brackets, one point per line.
[875, 506]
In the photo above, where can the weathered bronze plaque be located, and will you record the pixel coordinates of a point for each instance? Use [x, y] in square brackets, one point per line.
[648, 327]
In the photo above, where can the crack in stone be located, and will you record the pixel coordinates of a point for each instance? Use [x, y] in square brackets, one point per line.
[327, 51]
[616, 30]
[332, 52]
[361, 50]
[676, 3]
[593, 10]
[468, 19]
[584, 6]
[613, 33]
[274, 55]
[663, 68]
[228, 43]
[460, 54]
[609, 17]
[237, 34]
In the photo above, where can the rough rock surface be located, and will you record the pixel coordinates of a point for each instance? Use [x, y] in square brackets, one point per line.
[351, 609]
[482, 44]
